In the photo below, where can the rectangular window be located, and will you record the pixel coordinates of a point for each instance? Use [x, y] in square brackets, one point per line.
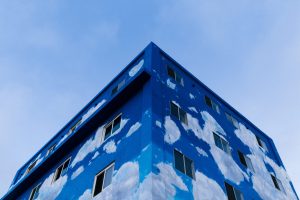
[178, 113]
[230, 118]
[221, 143]
[31, 166]
[184, 164]
[118, 87]
[246, 161]
[34, 193]
[112, 127]
[233, 193]
[277, 183]
[61, 170]
[103, 179]
[261, 143]
[51, 149]
[211, 104]
[174, 75]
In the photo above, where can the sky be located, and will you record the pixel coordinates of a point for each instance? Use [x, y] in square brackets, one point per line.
[55, 56]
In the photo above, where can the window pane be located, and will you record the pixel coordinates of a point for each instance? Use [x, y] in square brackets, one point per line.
[107, 131]
[249, 163]
[275, 182]
[65, 167]
[189, 167]
[99, 183]
[58, 173]
[218, 141]
[208, 101]
[229, 118]
[235, 123]
[280, 185]
[215, 107]
[179, 163]
[117, 124]
[183, 117]
[171, 73]
[230, 192]
[238, 194]
[225, 146]
[108, 176]
[242, 158]
[263, 145]
[179, 79]
[114, 90]
[174, 110]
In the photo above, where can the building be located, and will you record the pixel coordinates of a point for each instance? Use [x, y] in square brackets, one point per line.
[155, 132]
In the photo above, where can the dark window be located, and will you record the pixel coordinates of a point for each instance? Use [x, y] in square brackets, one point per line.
[233, 193]
[31, 166]
[246, 161]
[118, 87]
[178, 113]
[51, 149]
[174, 75]
[72, 129]
[184, 164]
[212, 104]
[221, 143]
[113, 126]
[277, 183]
[35, 192]
[103, 179]
[232, 120]
[261, 143]
[61, 170]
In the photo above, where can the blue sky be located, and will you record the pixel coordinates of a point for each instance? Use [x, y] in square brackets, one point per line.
[56, 55]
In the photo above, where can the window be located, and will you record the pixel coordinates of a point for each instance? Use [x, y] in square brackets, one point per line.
[233, 193]
[261, 143]
[61, 170]
[74, 127]
[212, 104]
[178, 113]
[118, 87]
[184, 164]
[34, 193]
[246, 161]
[174, 75]
[277, 183]
[112, 127]
[222, 144]
[232, 120]
[51, 149]
[103, 179]
[31, 166]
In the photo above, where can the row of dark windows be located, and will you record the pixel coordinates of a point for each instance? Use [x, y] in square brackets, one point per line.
[102, 180]
[185, 165]
[179, 113]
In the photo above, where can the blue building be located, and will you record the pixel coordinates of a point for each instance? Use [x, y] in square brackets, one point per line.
[155, 132]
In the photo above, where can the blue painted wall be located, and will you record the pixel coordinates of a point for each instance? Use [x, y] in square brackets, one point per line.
[142, 149]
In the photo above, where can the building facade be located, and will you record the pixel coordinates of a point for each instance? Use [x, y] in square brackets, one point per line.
[155, 132]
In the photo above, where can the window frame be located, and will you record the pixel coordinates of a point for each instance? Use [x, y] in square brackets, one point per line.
[184, 164]
[177, 77]
[118, 87]
[210, 103]
[112, 128]
[54, 179]
[261, 143]
[51, 149]
[248, 162]
[99, 173]
[34, 190]
[179, 112]
[235, 192]
[277, 183]
[31, 166]
[226, 148]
